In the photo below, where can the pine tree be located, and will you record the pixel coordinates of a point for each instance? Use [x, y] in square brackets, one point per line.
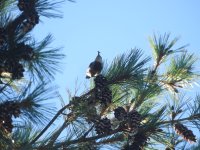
[26, 66]
[132, 105]
[143, 107]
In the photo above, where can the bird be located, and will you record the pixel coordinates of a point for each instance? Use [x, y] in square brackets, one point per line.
[95, 67]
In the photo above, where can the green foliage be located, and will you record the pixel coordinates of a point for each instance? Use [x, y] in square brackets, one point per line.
[133, 102]
[127, 69]
[25, 68]
[146, 91]
[22, 135]
[45, 60]
[162, 47]
[134, 86]
[5, 5]
[33, 103]
[49, 8]
[180, 71]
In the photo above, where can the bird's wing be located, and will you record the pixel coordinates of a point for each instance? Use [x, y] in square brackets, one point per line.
[98, 66]
[89, 72]
[94, 69]
[92, 65]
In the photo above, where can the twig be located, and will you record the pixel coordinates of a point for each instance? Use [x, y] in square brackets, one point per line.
[55, 117]
[79, 140]
[5, 85]
[56, 134]
[84, 136]
[180, 120]
[89, 92]
[50, 123]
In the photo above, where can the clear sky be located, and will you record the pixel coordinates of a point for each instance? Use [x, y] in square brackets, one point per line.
[113, 27]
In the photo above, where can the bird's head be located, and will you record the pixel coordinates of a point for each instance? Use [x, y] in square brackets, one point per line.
[98, 58]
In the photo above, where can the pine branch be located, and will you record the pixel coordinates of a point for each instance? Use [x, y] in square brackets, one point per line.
[195, 109]
[12, 35]
[54, 137]
[5, 5]
[5, 140]
[180, 72]
[57, 133]
[49, 124]
[30, 103]
[79, 140]
[145, 91]
[49, 9]
[86, 133]
[5, 86]
[193, 117]
[127, 68]
[45, 61]
[23, 135]
[55, 117]
[162, 47]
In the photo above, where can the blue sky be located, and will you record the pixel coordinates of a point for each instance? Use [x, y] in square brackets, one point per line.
[113, 27]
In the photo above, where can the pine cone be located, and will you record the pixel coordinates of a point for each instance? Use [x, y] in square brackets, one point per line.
[26, 5]
[185, 132]
[100, 81]
[98, 93]
[7, 125]
[15, 110]
[33, 17]
[22, 5]
[102, 92]
[106, 96]
[129, 120]
[17, 72]
[139, 140]
[24, 51]
[2, 36]
[119, 113]
[103, 126]
[134, 119]
[13, 66]
[27, 26]
[8, 109]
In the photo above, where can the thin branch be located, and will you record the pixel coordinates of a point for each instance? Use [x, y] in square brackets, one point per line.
[50, 123]
[79, 140]
[55, 117]
[180, 120]
[89, 92]
[5, 85]
[84, 136]
[57, 133]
